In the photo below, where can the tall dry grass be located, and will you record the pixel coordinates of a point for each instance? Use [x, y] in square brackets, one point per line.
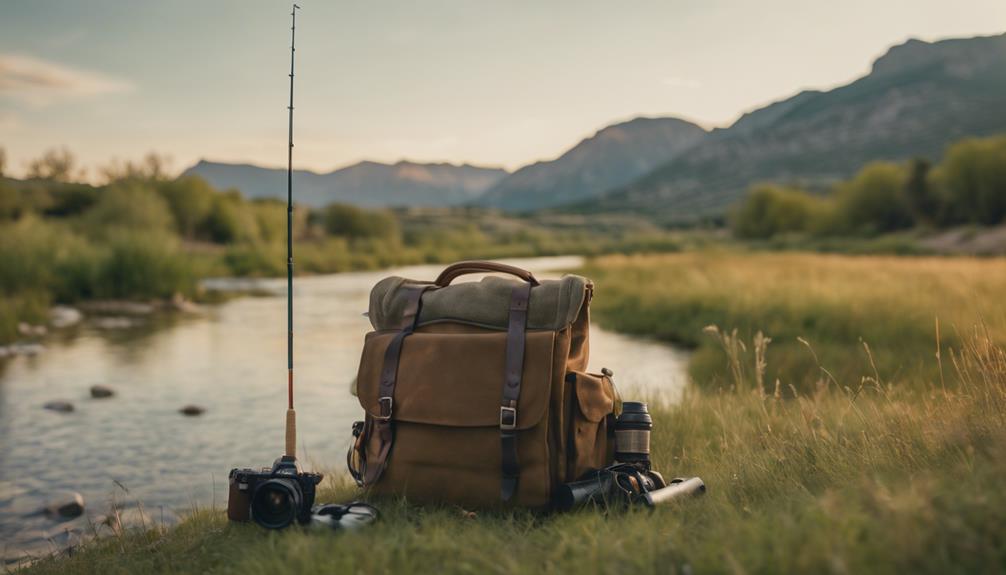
[851, 315]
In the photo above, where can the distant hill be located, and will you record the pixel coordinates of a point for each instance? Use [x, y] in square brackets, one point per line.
[369, 184]
[918, 98]
[612, 157]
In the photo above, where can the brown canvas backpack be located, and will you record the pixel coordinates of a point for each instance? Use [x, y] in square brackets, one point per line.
[475, 393]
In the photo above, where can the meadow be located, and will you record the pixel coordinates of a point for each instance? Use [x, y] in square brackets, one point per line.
[883, 454]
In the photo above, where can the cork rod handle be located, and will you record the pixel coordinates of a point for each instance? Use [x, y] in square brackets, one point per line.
[291, 433]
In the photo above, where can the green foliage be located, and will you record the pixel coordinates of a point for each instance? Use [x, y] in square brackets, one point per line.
[144, 265]
[875, 201]
[229, 220]
[772, 210]
[351, 222]
[190, 200]
[10, 202]
[128, 205]
[967, 187]
[972, 180]
[925, 202]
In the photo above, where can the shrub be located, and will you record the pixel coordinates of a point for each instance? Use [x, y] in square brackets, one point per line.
[230, 221]
[875, 200]
[770, 210]
[352, 222]
[190, 200]
[145, 265]
[128, 205]
[972, 180]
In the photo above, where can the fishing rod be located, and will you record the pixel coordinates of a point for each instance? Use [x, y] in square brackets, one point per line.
[291, 414]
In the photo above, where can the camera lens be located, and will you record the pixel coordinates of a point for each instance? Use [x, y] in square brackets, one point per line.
[275, 503]
[632, 433]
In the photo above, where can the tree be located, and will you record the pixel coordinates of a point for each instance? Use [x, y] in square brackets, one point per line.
[875, 200]
[972, 178]
[191, 200]
[926, 205]
[769, 210]
[355, 223]
[153, 167]
[229, 220]
[57, 165]
[3, 162]
[128, 206]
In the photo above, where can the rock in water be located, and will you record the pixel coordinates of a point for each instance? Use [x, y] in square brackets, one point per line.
[101, 391]
[60, 406]
[67, 507]
[62, 316]
[192, 410]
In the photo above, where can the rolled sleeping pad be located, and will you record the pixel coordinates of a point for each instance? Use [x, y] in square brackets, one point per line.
[677, 488]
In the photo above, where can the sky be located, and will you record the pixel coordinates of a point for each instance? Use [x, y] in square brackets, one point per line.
[487, 82]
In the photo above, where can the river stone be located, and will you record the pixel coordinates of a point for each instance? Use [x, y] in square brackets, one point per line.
[60, 406]
[192, 410]
[62, 316]
[119, 307]
[28, 330]
[101, 391]
[68, 507]
[113, 322]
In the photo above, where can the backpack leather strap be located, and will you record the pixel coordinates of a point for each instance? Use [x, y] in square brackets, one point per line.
[510, 468]
[389, 377]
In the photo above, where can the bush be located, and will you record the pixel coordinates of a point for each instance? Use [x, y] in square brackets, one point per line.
[190, 200]
[230, 221]
[351, 222]
[128, 205]
[145, 265]
[972, 181]
[876, 200]
[771, 210]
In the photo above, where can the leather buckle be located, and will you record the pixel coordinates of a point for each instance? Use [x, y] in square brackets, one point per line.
[508, 418]
[386, 403]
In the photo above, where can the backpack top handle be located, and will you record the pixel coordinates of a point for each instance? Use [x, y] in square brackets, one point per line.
[477, 266]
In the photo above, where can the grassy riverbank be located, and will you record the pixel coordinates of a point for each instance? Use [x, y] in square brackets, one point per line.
[882, 482]
[831, 318]
[891, 470]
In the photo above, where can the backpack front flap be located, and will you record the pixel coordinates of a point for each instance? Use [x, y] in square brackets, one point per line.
[446, 415]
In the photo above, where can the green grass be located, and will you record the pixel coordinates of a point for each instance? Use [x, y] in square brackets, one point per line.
[883, 481]
[845, 314]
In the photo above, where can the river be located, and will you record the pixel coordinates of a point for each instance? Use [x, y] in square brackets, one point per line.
[231, 360]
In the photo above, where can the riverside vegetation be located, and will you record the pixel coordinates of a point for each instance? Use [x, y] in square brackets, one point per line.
[968, 187]
[884, 454]
[143, 235]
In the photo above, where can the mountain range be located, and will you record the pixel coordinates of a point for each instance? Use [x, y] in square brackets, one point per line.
[918, 98]
[368, 184]
[613, 157]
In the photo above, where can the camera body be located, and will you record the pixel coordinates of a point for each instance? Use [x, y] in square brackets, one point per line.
[272, 497]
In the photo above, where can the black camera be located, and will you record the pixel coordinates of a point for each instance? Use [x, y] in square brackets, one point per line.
[273, 498]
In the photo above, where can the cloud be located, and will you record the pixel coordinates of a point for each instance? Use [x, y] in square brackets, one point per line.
[678, 82]
[37, 82]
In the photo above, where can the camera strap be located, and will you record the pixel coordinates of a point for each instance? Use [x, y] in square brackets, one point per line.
[520, 296]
